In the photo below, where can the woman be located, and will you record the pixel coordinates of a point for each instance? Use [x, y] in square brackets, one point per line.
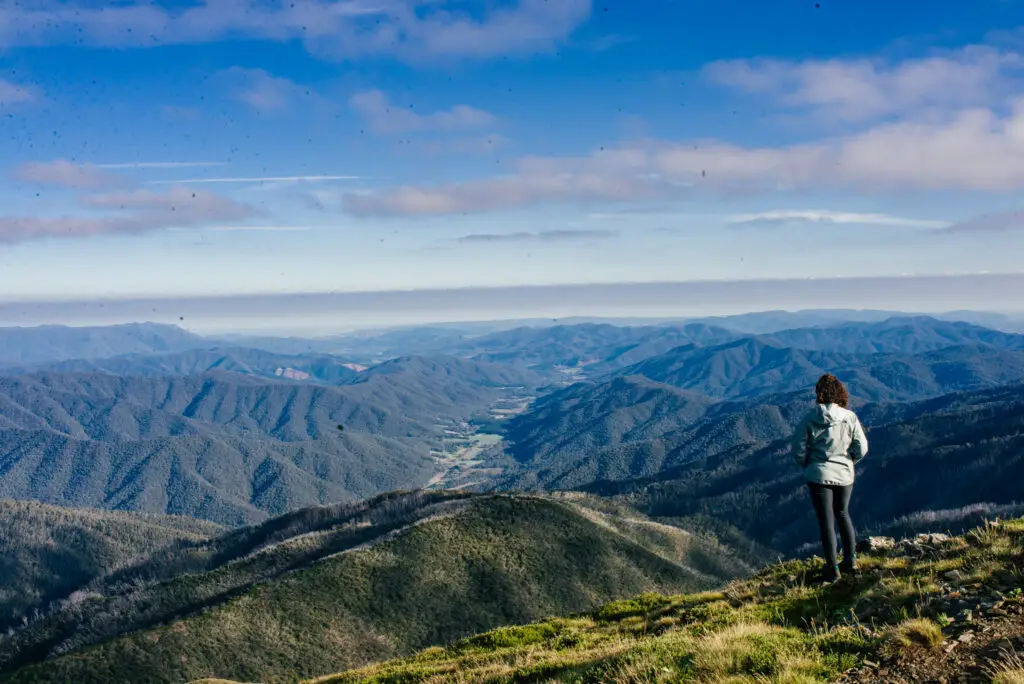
[828, 444]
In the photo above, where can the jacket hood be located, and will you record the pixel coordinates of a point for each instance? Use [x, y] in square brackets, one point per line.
[828, 414]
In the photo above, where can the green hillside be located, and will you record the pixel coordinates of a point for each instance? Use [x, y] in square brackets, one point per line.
[332, 588]
[934, 608]
[47, 552]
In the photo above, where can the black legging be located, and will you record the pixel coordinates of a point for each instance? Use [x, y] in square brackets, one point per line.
[832, 504]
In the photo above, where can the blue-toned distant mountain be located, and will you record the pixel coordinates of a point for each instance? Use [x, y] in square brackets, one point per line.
[49, 343]
[320, 368]
[229, 447]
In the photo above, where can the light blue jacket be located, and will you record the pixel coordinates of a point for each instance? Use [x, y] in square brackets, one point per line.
[828, 443]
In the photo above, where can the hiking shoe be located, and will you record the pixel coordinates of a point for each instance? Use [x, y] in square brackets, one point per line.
[830, 576]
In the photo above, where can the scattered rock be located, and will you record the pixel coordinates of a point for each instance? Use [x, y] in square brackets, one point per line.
[934, 538]
[875, 544]
[1003, 645]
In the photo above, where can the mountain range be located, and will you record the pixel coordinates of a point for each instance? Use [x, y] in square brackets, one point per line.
[594, 461]
[697, 402]
[233, 448]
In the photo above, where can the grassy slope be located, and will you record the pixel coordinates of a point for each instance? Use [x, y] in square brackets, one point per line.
[897, 617]
[46, 552]
[494, 561]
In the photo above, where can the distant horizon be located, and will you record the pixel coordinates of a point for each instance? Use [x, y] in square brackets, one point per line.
[322, 314]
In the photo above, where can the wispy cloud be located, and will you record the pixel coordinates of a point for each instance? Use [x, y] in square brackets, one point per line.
[12, 93]
[543, 236]
[123, 207]
[133, 212]
[862, 89]
[185, 201]
[256, 179]
[1010, 220]
[609, 41]
[159, 165]
[407, 29]
[259, 229]
[385, 117]
[68, 174]
[831, 217]
[263, 91]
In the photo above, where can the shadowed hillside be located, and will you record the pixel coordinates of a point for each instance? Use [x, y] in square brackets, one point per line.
[47, 552]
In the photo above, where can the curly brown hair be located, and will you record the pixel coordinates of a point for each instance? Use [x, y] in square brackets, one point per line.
[830, 390]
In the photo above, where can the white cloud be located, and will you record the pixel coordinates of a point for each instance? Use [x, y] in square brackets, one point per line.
[12, 93]
[407, 29]
[825, 216]
[973, 150]
[68, 174]
[386, 117]
[263, 91]
[862, 89]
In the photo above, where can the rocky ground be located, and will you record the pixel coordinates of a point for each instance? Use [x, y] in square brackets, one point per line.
[980, 614]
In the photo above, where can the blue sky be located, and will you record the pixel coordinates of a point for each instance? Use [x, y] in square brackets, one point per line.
[247, 146]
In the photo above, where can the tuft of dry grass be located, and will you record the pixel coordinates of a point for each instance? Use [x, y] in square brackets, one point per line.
[914, 633]
[1008, 671]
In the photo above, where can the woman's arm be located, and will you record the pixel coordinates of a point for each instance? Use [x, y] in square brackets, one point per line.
[859, 444]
